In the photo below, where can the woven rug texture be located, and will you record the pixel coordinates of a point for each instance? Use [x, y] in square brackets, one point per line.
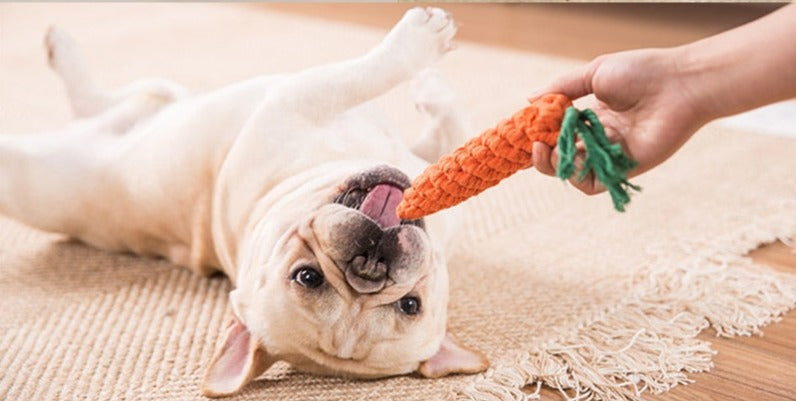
[555, 287]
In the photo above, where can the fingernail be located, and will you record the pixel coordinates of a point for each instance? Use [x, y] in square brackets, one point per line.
[535, 94]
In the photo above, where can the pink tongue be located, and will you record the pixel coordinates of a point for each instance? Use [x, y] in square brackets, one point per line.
[380, 204]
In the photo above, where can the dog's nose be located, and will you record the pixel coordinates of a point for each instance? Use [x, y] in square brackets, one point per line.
[369, 268]
[367, 274]
[370, 256]
[383, 258]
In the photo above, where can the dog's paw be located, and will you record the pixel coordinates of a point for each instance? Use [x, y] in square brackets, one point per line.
[431, 93]
[62, 52]
[157, 90]
[421, 37]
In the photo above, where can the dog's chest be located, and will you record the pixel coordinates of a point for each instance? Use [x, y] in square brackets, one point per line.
[350, 136]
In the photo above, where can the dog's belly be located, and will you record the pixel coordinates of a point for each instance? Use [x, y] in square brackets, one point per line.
[151, 188]
[154, 185]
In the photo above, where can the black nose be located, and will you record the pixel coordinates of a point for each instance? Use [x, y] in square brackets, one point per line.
[383, 257]
[369, 270]
[369, 256]
[369, 267]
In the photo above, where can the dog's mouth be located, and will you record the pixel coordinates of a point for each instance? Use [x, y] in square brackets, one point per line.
[376, 193]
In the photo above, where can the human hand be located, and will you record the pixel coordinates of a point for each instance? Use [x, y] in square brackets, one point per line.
[644, 101]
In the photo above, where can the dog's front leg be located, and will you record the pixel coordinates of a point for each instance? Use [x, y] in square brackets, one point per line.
[447, 126]
[419, 39]
[267, 147]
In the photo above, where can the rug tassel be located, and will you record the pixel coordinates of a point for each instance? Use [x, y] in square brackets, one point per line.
[648, 342]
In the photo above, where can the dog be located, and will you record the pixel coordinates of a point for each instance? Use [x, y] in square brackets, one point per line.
[283, 183]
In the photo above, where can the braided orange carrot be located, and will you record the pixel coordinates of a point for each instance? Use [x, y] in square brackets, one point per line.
[499, 152]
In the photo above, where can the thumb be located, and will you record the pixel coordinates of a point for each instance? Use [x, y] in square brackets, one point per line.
[574, 84]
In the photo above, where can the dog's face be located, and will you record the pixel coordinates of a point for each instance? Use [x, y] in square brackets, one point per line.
[334, 283]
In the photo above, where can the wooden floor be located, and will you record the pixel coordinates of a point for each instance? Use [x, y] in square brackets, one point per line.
[754, 369]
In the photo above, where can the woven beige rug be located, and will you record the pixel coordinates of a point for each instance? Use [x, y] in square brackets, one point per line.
[556, 287]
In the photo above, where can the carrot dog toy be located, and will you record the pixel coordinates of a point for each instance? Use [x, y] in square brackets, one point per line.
[499, 152]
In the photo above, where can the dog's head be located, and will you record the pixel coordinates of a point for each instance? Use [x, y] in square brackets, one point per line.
[333, 282]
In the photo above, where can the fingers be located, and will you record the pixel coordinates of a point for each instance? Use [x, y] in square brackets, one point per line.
[574, 84]
[545, 160]
[589, 185]
[541, 158]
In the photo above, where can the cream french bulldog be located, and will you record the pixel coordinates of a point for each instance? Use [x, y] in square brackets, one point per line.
[284, 184]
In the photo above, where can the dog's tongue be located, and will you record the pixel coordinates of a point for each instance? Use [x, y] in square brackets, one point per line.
[380, 205]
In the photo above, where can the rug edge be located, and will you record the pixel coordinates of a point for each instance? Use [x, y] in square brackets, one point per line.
[583, 365]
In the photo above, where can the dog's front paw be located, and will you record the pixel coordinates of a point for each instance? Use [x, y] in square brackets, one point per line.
[431, 94]
[421, 37]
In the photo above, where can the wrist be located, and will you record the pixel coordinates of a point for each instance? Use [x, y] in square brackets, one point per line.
[696, 71]
[743, 68]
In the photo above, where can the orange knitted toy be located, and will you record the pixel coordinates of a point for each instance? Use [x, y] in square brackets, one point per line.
[499, 152]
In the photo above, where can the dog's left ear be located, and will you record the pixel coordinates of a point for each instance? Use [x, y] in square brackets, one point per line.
[453, 357]
[237, 361]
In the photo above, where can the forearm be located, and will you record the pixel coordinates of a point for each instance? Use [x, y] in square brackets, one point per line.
[744, 68]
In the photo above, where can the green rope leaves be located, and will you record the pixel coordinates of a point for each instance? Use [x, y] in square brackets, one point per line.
[605, 159]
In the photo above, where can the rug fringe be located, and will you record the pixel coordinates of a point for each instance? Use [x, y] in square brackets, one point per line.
[609, 358]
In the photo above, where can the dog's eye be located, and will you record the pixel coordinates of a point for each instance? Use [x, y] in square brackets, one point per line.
[409, 305]
[308, 277]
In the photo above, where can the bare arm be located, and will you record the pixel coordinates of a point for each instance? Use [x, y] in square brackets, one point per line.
[744, 68]
[653, 100]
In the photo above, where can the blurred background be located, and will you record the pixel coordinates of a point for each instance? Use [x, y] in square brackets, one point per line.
[583, 31]
[580, 31]
[573, 32]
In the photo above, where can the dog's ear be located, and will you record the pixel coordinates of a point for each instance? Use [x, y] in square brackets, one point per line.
[237, 361]
[453, 357]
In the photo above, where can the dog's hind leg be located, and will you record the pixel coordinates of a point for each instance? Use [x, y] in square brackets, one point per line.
[85, 97]
[46, 179]
[65, 59]
[55, 181]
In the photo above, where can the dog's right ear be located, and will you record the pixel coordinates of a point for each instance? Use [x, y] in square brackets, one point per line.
[237, 361]
[453, 357]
